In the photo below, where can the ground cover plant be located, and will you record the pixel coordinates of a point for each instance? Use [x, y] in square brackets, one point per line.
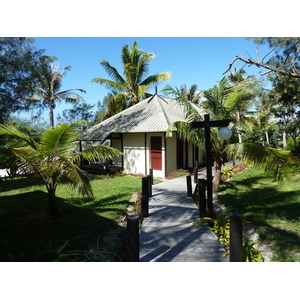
[272, 205]
[86, 225]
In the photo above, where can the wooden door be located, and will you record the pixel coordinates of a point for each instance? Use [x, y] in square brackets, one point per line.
[156, 152]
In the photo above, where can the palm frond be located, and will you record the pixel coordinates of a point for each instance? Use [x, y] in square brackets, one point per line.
[78, 178]
[275, 161]
[156, 78]
[185, 131]
[96, 153]
[12, 131]
[112, 72]
[110, 84]
[59, 141]
[29, 159]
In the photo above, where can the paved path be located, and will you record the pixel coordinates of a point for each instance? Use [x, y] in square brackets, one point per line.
[167, 234]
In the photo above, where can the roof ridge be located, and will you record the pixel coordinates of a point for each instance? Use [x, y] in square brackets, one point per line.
[164, 112]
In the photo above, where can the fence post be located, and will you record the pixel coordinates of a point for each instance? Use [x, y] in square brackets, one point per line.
[189, 185]
[150, 186]
[133, 238]
[145, 196]
[195, 175]
[202, 198]
[236, 238]
[151, 174]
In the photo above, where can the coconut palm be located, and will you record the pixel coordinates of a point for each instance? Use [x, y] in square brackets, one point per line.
[220, 102]
[131, 86]
[264, 122]
[248, 85]
[192, 94]
[54, 159]
[280, 163]
[48, 87]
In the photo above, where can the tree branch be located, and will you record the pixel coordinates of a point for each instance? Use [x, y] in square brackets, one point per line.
[249, 61]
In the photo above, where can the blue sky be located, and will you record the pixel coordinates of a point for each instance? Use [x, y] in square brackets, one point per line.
[191, 60]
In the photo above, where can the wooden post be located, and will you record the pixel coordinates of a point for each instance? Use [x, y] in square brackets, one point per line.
[150, 186]
[189, 185]
[207, 124]
[202, 198]
[151, 174]
[236, 238]
[133, 238]
[145, 196]
[195, 175]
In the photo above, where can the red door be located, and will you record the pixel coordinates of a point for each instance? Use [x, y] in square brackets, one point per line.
[156, 153]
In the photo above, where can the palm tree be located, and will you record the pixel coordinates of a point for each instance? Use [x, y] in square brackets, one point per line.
[130, 87]
[220, 102]
[54, 159]
[248, 85]
[280, 163]
[190, 94]
[47, 89]
[263, 121]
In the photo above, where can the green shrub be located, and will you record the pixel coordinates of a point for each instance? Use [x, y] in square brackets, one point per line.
[220, 225]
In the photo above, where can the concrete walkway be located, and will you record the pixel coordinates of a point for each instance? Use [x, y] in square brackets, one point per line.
[168, 235]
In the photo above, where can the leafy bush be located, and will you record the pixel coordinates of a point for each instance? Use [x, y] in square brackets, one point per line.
[228, 172]
[220, 225]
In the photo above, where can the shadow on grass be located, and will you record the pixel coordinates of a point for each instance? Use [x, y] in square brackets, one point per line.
[17, 183]
[265, 206]
[25, 227]
[248, 182]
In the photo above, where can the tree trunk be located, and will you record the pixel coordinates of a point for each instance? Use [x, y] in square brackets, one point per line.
[217, 176]
[53, 204]
[51, 114]
[267, 138]
[284, 139]
[238, 120]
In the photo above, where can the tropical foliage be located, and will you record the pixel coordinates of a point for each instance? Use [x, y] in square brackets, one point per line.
[48, 87]
[53, 159]
[18, 60]
[131, 86]
[221, 103]
[192, 94]
[277, 162]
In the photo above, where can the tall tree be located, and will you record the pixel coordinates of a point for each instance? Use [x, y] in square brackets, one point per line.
[285, 96]
[80, 111]
[18, 59]
[192, 94]
[53, 159]
[284, 62]
[48, 87]
[248, 85]
[7, 158]
[130, 87]
[220, 102]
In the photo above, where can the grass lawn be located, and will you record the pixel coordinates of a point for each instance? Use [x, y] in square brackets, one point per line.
[27, 233]
[273, 205]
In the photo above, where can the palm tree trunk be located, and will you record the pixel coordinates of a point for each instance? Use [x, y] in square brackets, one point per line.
[267, 138]
[284, 139]
[51, 114]
[53, 204]
[217, 176]
[238, 120]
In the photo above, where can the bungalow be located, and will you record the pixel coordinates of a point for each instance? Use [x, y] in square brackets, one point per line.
[140, 133]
